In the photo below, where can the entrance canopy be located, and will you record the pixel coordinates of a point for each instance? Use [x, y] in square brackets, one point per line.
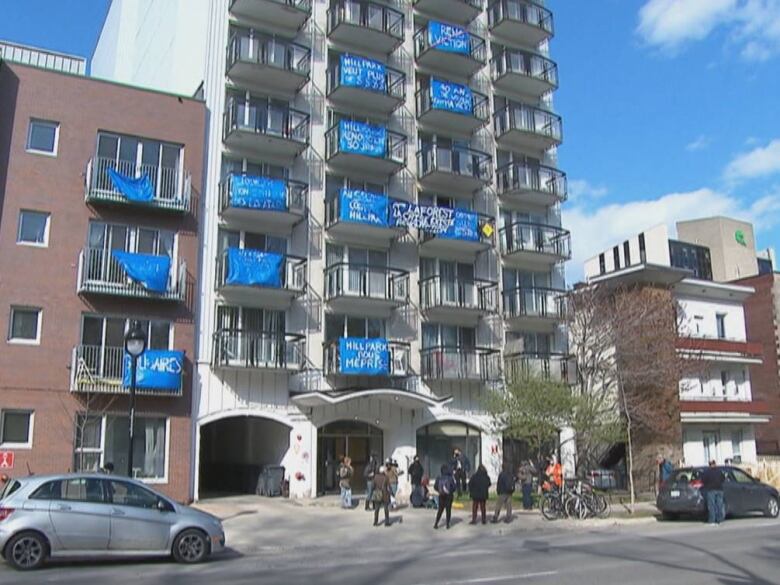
[399, 397]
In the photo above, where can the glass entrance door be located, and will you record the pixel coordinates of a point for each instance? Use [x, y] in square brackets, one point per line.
[357, 441]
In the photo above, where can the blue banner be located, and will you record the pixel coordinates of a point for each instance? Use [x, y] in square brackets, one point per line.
[445, 222]
[359, 355]
[363, 73]
[465, 226]
[157, 369]
[151, 271]
[258, 193]
[254, 268]
[139, 190]
[448, 37]
[363, 207]
[362, 138]
[453, 97]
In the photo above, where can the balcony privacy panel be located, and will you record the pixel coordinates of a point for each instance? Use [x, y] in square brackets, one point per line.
[251, 192]
[156, 369]
[254, 268]
[139, 190]
[148, 270]
[361, 138]
[448, 37]
[457, 224]
[363, 73]
[368, 357]
[452, 97]
[363, 207]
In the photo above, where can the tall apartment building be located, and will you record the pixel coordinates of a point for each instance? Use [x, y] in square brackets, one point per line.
[381, 223]
[75, 254]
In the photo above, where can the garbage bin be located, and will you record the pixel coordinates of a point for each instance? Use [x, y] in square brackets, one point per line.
[270, 480]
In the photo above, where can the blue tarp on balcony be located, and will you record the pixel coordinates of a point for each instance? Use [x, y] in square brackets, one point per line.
[157, 369]
[452, 97]
[149, 270]
[360, 206]
[448, 37]
[254, 268]
[363, 73]
[458, 224]
[362, 356]
[361, 138]
[252, 192]
[140, 190]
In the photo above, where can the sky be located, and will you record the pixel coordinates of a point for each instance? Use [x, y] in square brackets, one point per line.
[669, 107]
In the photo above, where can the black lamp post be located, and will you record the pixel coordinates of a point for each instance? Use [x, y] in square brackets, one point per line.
[135, 345]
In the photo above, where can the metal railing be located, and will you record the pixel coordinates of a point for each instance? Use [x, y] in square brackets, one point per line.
[395, 82]
[476, 294]
[366, 282]
[398, 363]
[478, 4]
[482, 219]
[100, 273]
[523, 11]
[100, 369]
[372, 15]
[333, 211]
[395, 145]
[480, 106]
[248, 46]
[460, 363]
[550, 366]
[525, 118]
[293, 273]
[547, 303]
[238, 348]
[297, 194]
[477, 46]
[170, 190]
[514, 61]
[270, 120]
[519, 176]
[302, 5]
[456, 160]
[539, 238]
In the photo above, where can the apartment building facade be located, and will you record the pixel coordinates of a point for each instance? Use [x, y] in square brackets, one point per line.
[381, 224]
[98, 183]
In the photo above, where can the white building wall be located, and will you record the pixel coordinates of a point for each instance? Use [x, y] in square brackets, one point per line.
[731, 440]
[656, 252]
[700, 317]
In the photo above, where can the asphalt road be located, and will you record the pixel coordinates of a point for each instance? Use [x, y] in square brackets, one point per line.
[738, 552]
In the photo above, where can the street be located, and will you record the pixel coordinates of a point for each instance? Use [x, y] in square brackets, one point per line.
[282, 543]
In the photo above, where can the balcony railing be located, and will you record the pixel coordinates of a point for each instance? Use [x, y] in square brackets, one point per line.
[398, 366]
[460, 363]
[465, 162]
[523, 12]
[238, 348]
[395, 82]
[293, 274]
[366, 282]
[485, 238]
[529, 119]
[538, 302]
[367, 15]
[474, 295]
[101, 273]
[248, 47]
[170, 190]
[717, 345]
[535, 238]
[267, 120]
[452, 10]
[539, 69]
[394, 149]
[253, 8]
[476, 49]
[480, 106]
[295, 196]
[550, 366]
[524, 178]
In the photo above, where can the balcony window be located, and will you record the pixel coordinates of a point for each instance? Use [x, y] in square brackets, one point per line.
[43, 137]
[266, 116]
[440, 154]
[250, 46]
[337, 326]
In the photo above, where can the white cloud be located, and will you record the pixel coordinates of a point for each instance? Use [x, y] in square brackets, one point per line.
[700, 143]
[582, 189]
[759, 162]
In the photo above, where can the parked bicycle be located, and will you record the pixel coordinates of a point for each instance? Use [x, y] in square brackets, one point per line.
[580, 501]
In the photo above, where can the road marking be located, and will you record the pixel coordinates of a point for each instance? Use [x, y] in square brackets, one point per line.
[497, 579]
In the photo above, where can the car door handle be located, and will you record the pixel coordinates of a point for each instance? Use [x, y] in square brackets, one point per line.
[63, 507]
[116, 512]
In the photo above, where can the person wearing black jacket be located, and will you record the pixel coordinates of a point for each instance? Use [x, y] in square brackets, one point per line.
[368, 474]
[478, 490]
[416, 472]
[505, 487]
[712, 483]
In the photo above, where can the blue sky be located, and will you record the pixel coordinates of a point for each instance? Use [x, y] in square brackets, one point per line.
[670, 107]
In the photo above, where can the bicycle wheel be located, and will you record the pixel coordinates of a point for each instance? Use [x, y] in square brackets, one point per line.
[550, 508]
[576, 508]
[601, 506]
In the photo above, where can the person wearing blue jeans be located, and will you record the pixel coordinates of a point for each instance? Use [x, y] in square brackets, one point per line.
[345, 482]
[712, 483]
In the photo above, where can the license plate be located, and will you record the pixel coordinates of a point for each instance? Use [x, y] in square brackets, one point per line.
[675, 493]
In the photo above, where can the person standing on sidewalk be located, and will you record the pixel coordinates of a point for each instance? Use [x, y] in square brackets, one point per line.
[712, 483]
[526, 475]
[380, 497]
[368, 475]
[479, 484]
[505, 487]
[391, 470]
[345, 482]
[445, 486]
[416, 472]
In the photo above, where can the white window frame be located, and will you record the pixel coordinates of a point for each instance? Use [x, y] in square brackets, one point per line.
[20, 341]
[45, 243]
[29, 443]
[31, 150]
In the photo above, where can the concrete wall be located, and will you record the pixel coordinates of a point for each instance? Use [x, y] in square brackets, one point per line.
[700, 317]
[693, 443]
[730, 259]
[656, 252]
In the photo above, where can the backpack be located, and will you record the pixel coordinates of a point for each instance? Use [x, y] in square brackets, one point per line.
[446, 485]
[378, 496]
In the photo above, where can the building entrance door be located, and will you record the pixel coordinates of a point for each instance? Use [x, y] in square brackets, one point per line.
[357, 441]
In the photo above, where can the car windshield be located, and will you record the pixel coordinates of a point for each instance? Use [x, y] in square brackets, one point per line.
[686, 475]
[10, 488]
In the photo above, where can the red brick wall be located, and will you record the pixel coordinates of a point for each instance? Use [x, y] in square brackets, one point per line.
[37, 377]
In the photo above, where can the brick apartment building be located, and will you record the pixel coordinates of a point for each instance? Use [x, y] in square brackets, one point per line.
[71, 149]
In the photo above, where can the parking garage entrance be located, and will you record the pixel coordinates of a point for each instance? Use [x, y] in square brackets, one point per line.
[354, 439]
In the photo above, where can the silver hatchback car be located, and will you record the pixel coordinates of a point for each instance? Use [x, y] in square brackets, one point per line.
[88, 515]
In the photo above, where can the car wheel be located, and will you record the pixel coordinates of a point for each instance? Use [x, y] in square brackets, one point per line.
[26, 551]
[190, 546]
[670, 515]
[772, 509]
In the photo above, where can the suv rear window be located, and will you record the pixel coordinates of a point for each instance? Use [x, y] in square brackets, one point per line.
[686, 475]
[10, 488]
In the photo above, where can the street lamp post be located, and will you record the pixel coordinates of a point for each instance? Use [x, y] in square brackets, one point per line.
[135, 345]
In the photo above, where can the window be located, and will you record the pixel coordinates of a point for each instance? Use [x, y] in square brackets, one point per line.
[89, 443]
[25, 325]
[642, 252]
[33, 228]
[602, 264]
[337, 326]
[724, 382]
[16, 428]
[616, 257]
[720, 321]
[128, 494]
[739, 476]
[627, 253]
[43, 137]
[736, 446]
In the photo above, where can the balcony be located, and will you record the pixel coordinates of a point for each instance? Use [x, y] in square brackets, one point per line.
[254, 278]
[258, 350]
[462, 11]
[269, 65]
[721, 350]
[456, 171]
[520, 21]
[523, 73]
[460, 364]
[164, 187]
[381, 359]
[457, 301]
[468, 232]
[364, 149]
[124, 274]
[449, 49]
[550, 366]
[524, 127]
[534, 243]
[261, 202]
[289, 15]
[531, 184]
[101, 369]
[370, 26]
[724, 411]
[534, 308]
[452, 108]
[360, 84]
[265, 132]
[365, 289]
[361, 216]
